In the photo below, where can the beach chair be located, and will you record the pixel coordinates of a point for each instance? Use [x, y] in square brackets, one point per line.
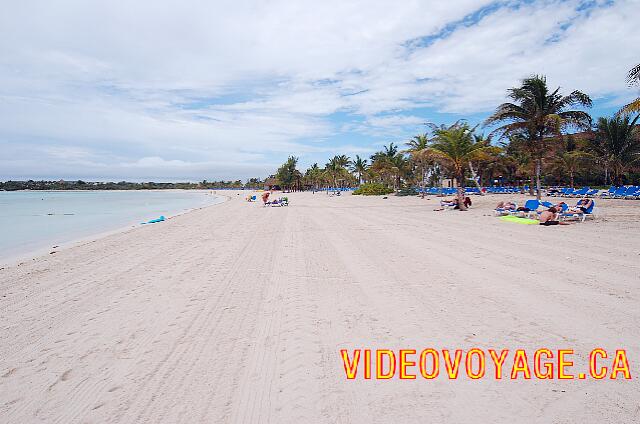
[620, 192]
[580, 193]
[592, 193]
[608, 193]
[503, 211]
[579, 215]
[632, 192]
[532, 205]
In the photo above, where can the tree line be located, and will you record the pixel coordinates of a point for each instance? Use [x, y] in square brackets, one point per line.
[251, 183]
[540, 137]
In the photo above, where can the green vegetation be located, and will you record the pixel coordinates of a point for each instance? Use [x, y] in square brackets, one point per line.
[125, 185]
[454, 147]
[632, 79]
[373, 189]
[538, 116]
[542, 137]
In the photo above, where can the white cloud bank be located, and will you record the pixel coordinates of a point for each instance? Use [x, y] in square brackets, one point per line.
[211, 89]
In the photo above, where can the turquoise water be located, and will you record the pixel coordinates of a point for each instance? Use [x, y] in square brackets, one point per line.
[36, 220]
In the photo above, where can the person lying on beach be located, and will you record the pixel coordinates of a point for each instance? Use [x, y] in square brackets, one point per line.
[507, 206]
[453, 203]
[449, 202]
[550, 217]
[582, 206]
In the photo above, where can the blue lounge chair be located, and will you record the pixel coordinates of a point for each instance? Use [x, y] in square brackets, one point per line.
[619, 193]
[580, 215]
[608, 193]
[632, 192]
[502, 211]
[532, 205]
[580, 193]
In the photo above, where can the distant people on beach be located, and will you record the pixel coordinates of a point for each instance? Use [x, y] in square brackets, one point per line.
[454, 203]
[265, 197]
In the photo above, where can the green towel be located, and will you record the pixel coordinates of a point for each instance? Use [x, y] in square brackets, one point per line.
[518, 220]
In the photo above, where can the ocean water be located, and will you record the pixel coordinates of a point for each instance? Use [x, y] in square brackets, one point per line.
[31, 221]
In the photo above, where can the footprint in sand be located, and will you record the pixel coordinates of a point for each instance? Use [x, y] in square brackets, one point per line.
[9, 373]
[66, 375]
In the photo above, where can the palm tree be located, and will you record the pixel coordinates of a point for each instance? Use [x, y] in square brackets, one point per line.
[337, 167]
[359, 166]
[539, 115]
[521, 159]
[481, 139]
[390, 164]
[571, 162]
[633, 78]
[616, 144]
[313, 175]
[454, 147]
[417, 148]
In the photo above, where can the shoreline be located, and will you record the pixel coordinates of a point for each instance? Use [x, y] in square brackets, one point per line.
[34, 254]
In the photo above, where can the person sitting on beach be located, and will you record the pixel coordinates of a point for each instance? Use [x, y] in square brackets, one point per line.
[265, 197]
[582, 206]
[550, 217]
[466, 202]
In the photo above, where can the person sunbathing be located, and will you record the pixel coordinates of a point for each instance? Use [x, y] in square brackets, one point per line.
[507, 206]
[449, 202]
[582, 206]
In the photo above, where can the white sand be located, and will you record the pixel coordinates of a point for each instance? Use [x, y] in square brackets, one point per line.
[236, 314]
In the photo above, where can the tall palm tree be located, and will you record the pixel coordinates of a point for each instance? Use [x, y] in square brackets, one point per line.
[337, 167]
[481, 139]
[416, 148]
[633, 78]
[418, 143]
[454, 147]
[313, 175]
[390, 164]
[359, 166]
[616, 144]
[540, 115]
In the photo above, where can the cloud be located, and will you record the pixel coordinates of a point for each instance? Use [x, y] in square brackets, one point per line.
[228, 89]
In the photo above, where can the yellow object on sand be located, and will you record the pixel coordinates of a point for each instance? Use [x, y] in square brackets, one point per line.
[518, 220]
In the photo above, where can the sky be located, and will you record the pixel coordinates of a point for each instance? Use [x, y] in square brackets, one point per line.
[186, 90]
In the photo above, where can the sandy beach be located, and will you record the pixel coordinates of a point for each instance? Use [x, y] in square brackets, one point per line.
[237, 313]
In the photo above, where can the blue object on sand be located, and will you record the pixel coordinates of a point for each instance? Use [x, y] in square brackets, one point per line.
[153, 221]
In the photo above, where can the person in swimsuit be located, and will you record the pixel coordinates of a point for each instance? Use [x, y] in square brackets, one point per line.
[582, 206]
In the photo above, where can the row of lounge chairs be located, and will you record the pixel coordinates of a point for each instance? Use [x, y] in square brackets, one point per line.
[624, 192]
[536, 207]
[630, 192]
